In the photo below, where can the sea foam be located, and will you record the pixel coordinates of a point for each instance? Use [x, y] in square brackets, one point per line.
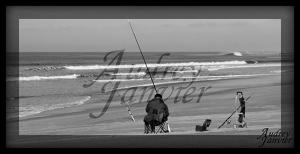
[35, 78]
[153, 65]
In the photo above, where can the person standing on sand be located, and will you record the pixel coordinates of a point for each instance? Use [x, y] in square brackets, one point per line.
[242, 112]
[157, 112]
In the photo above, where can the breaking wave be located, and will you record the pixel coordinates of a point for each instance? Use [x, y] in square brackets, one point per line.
[239, 54]
[278, 71]
[215, 68]
[35, 78]
[133, 73]
[204, 78]
[153, 65]
[179, 82]
[45, 68]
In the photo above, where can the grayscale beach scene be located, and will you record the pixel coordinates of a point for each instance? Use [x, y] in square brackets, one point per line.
[88, 77]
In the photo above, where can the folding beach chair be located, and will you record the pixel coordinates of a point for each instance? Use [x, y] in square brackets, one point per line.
[162, 128]
[163, 125]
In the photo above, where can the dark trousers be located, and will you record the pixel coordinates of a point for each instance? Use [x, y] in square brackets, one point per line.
[151, 121]
[242, 116]
[243, 110]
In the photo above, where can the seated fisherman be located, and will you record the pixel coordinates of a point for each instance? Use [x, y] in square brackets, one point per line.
[157, 112]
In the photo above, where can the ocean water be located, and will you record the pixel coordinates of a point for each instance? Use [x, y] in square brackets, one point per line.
[50, 81]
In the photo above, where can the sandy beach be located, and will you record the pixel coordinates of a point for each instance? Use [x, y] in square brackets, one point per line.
[262, 111]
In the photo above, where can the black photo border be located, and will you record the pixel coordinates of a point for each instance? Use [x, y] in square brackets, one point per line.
[16, 11]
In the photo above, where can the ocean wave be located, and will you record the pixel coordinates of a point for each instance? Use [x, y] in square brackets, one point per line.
[36, 78]
[215, 68]
[129, 74]
[153, 72]
[153, 65]
[195, 69]
[187, 71]
[186, 77]
[45, 68]
[179, 82]
[251, 61]
[239, 54]
[31, 110]
[278, 71]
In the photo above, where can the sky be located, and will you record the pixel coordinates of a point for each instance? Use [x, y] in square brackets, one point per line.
[103, 35]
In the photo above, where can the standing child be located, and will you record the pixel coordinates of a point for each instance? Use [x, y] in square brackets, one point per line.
[242, 111]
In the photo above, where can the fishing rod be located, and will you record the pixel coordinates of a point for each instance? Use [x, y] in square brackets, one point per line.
[142, 55]
[129, 111]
